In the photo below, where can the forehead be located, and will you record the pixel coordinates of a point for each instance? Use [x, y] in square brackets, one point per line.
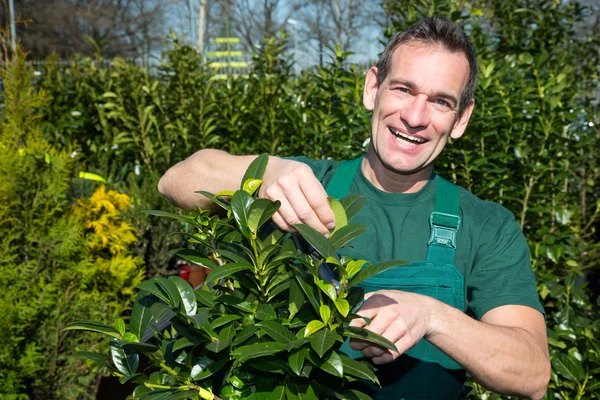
[429, 67]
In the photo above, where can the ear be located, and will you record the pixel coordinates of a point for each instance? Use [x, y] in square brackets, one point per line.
[461, 123]
[370, 91]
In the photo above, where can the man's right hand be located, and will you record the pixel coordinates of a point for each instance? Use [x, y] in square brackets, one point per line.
[303, 198]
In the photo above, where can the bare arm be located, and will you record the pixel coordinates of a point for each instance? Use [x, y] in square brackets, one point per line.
[209, 170]
[506, 351]
[302, 197]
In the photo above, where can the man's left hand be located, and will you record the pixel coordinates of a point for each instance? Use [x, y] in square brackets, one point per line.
[401, 317]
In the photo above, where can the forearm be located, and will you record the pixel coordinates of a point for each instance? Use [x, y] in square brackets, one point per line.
[505, 359]
[209, 170]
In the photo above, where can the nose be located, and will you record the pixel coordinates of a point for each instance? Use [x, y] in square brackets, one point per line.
[415, 112]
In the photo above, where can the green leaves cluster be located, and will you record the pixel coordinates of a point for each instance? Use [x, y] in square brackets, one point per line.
[270, 319]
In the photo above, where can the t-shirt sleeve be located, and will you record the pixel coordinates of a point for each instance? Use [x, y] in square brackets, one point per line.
[502, 273]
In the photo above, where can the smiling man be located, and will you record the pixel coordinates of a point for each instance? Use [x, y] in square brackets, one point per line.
[467, 302]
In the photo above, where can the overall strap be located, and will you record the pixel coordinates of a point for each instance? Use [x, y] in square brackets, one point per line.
[339, 186]
[444, 222]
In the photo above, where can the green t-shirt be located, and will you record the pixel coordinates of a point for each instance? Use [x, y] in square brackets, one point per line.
[491, 251]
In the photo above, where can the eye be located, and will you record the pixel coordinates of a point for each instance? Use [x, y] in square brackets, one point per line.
[401, 89]
[441, 103]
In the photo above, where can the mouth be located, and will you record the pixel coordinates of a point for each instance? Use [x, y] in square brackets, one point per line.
[406, 138]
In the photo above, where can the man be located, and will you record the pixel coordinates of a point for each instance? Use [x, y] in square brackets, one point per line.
[467, 302]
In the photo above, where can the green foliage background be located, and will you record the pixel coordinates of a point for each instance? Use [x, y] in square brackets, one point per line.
[532, 145]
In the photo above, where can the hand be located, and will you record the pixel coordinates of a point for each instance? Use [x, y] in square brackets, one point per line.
[401, 317]
[303, 198]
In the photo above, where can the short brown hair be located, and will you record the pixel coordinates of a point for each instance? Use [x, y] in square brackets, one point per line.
[437, 31]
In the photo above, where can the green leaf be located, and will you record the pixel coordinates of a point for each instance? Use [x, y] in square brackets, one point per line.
[224, 340]
[333, 365]
[310, 291]
[224, 320]
[159, 311]
[344, 235]
[265, 311]
[567, 367]
[276, 331]
[226, 270]
[206, 298]
[296, 360]
[141, 313]
[195, 257]
[327, 288]
[93, 327]
[97, 358]
[205, 367]
[151, 286]
[367, 335]
[257, 350]
[120, 326]
[214, 199]
[256, 169]
[164, 214]
[317, 240]
[354, 266]
[240, 206]
[340, 214]
[251, 185]
[325, 313]
[273, 364]
[342, 306]
[139, 347]
[186, 292]
[126, 361]
[373, 270]
[171, 290]
[352, 204]
[358, 369]
[354, 394]
[261, 211]
[322, 341]
[296, 298]
[245, 334]
[312, 327]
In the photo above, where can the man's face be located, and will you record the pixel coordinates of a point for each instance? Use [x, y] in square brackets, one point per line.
[415, 108]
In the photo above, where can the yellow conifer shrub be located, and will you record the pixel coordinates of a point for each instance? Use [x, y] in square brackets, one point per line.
[108, 237]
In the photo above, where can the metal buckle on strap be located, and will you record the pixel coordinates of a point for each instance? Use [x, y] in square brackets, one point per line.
[443, 235]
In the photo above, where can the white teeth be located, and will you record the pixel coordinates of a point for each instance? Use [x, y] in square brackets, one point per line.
[403, 136]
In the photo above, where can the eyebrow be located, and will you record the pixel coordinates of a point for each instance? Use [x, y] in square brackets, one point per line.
[412, 86]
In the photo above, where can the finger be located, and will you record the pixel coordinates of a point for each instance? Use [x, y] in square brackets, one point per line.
[317, 199]
[285, 216]
[387, 357]
[303, 211]
[358, 344]
[373, 351]
[280, 222]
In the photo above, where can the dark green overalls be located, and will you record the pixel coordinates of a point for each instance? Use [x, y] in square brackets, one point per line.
[423, 372]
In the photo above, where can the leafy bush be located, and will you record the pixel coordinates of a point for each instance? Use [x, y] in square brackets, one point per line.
[55, 264]
[268, 324]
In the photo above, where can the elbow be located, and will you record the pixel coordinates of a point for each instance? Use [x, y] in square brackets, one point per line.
[539, 391]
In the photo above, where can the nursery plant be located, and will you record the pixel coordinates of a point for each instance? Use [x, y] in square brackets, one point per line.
[268, 322]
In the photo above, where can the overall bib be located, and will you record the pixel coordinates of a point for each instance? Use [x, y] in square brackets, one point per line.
[423, 372]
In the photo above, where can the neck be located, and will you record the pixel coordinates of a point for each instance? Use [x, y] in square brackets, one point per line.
[392, 181]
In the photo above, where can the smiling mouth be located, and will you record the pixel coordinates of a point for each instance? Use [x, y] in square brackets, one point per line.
[408, 138]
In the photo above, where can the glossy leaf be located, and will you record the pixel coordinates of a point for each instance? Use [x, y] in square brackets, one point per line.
[327, 288]
[164, 214]
[97, 358]
[240, 206]
[296, 360]
[171, 290]
[296, 298]
[325, 313]
[141, 313]
[257, 350]
[256, 169]
[245, 334]
[352, 204]
[312, 327]
[276, 331]
[344, 235]
[195, 257]
[359, 369]
[205, 298]
[340, 214]
[265, 311]
[224, 320]
[205, 367]
[342, 306]
[367, 335]
[333, 365]
[373, 270]
[322, 341]
[567, 367]
[251, 185]
[126, 361]
[151, 286]
[186, 292]
[354, 266]
[273, 364]
[160, 311]
[214, 199]
[320, 243]
[227, 270]
[261, 210]
[93, 327]
[310, 291]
